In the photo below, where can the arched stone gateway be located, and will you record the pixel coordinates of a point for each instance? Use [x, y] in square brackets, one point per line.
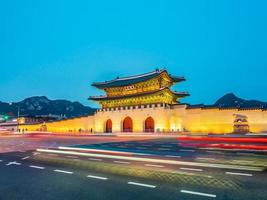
[241, 124]
[127, 125]
[109, 126]
[149, 125]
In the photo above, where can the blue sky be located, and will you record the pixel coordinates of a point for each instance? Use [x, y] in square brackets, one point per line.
[58, 48]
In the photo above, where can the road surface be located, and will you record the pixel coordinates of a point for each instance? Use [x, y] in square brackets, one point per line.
[31, 174]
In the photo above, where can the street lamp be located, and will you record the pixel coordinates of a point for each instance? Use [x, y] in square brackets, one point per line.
[17, 108]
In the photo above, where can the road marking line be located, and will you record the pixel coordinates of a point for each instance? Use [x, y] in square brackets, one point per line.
[164, 149]
[25, 158]
[36, 167]
[141, 147]
[13, 163]
[185, 173]
[62, 171]
[151, 165]
[97, 177]
[95, 159]
[171, 156]
[147, 145]
[121, 146]
[187, 150]
[166, 146]
[198, 193]
[215, 152]
[142, 184]
[36, 153]
[191, 169]
[121, 162]
[238, 174]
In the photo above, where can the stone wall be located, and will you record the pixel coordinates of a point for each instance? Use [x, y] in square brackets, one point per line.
[76, 125]
[167, 119]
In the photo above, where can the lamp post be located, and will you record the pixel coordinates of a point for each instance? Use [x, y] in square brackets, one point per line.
[18, 113]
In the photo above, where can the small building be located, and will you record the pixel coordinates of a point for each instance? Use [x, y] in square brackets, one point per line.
[35, 119]
[10, 126]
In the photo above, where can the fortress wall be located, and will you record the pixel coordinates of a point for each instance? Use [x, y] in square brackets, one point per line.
[166, 120]
[82, 124]
[222, 121]
[257, 120]
[209, 120]
[29, 127]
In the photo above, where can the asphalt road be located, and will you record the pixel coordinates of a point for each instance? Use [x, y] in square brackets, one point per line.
[24, 177]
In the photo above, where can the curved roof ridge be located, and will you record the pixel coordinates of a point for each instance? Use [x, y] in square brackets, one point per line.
[142, 75]
[129, 80]
[157, 71]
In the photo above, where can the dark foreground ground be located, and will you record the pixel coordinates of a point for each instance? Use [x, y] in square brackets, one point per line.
[28, 174]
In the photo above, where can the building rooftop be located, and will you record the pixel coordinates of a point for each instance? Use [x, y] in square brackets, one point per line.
[119, 82]
[104, 97]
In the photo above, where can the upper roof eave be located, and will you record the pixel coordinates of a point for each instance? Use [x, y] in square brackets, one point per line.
[119, 82]
[177, 94]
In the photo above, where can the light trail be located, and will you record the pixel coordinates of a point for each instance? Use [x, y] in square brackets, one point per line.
[153, 160]
[95, 159]
[226, 146]
[222, 139]
[203, 158]
[72, 156]
[191, 169]
[171, 156]
[99, 151]
[121, 162]
[151, 165]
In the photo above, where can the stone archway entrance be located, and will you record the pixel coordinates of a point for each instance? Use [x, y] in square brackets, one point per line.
[109, 126]
[241, 124]
[127, 125]
[149, 125]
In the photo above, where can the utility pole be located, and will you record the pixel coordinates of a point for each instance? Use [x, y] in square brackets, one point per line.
[18, 111]
[17, 108]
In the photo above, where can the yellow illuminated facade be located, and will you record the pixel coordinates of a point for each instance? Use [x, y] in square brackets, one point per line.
[145, 103]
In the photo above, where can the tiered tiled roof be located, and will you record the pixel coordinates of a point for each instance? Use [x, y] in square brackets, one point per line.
[119, 82]
[104, 97]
